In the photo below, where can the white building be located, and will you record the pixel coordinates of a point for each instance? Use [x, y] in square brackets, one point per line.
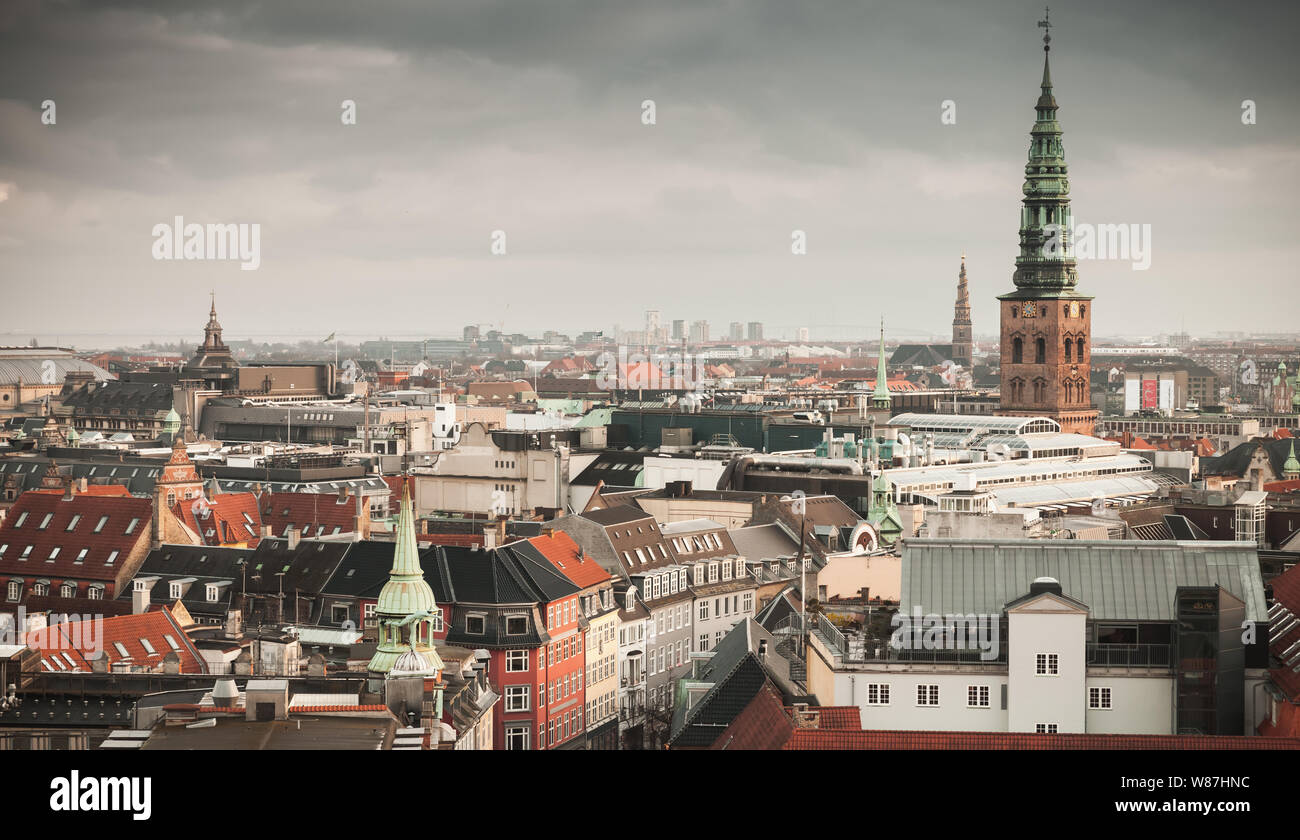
[1056, 636]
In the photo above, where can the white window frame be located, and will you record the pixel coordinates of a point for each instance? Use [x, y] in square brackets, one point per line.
[518, 697]
[927, 695]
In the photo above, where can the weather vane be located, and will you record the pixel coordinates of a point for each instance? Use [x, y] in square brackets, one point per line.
[1046, 23]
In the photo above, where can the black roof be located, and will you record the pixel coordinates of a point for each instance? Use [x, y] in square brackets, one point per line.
[616, 515]
[307, 568]
[615, 468]
[1237, 459]
[363, 571]
[195, 560]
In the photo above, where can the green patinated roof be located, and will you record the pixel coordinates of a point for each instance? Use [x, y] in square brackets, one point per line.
[406, 591]
[1129, 580]
[1292, 465]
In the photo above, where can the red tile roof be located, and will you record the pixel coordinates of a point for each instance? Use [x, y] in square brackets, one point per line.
[307, 513]
[1286, 591]
[564, 554]
[127, 633]
[221, 520]
[97, 524]
[821, 739]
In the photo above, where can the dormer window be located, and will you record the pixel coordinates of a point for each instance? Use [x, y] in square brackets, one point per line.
[713, 573]
[175, 591]
[516, 625]
[476, 625]
[726, 570]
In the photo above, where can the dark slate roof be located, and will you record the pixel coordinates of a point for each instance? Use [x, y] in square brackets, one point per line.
[616, 515]
[1237, 459]
[616, 469]
[737, 674]
[925, 355]
[136, 475]
[195, 560]
[306, 568]
[547, 579]
[141, 399]
[363, 571]
[462, 575]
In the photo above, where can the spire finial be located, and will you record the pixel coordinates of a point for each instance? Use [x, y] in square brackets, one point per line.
[1046, 24]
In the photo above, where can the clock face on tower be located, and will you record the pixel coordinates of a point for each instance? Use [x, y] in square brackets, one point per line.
[1074, 309]
[1029, 309]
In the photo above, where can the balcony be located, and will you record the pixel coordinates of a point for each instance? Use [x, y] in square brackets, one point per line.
[1130, 656]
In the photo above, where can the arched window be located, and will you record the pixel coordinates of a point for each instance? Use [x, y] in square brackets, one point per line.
[1067, 349]
[1040, 351]
[1017, 351]
[1079, 344]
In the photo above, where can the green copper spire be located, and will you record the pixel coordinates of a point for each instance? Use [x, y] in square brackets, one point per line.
[1291, 469]
[1046, 264]
[880, 394]
[406, 610]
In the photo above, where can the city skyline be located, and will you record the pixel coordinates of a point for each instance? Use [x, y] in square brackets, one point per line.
[765, 124]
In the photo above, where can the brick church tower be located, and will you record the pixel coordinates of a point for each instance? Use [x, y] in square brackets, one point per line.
[961, 326]
[1046, 341]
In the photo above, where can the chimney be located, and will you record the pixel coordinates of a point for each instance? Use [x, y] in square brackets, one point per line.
[82, 484]
[294, 536]
[140, 598]
[762, 648]
[68, 491]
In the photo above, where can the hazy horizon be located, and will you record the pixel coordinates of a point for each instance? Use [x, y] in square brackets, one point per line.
[474, 117]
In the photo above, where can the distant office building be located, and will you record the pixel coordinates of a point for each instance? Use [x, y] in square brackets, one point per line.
[470, 333]
[754, 332]
[737, 331]
[801, 335]
[679, 330]
[699, 332]
[652, 321]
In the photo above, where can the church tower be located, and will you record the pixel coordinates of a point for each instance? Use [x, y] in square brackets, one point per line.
[961, 340]
[214, 352]
[1046, 333]
[406, 612]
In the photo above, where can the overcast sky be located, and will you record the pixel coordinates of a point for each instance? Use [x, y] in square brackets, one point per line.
[525, 117]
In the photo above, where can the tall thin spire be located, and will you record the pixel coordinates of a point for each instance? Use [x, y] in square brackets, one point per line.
[880, 394]
[961, 324]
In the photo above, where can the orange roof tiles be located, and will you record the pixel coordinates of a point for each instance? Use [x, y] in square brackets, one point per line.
[565, 555]
[140, 640]
[45, 535]
[225, 519]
